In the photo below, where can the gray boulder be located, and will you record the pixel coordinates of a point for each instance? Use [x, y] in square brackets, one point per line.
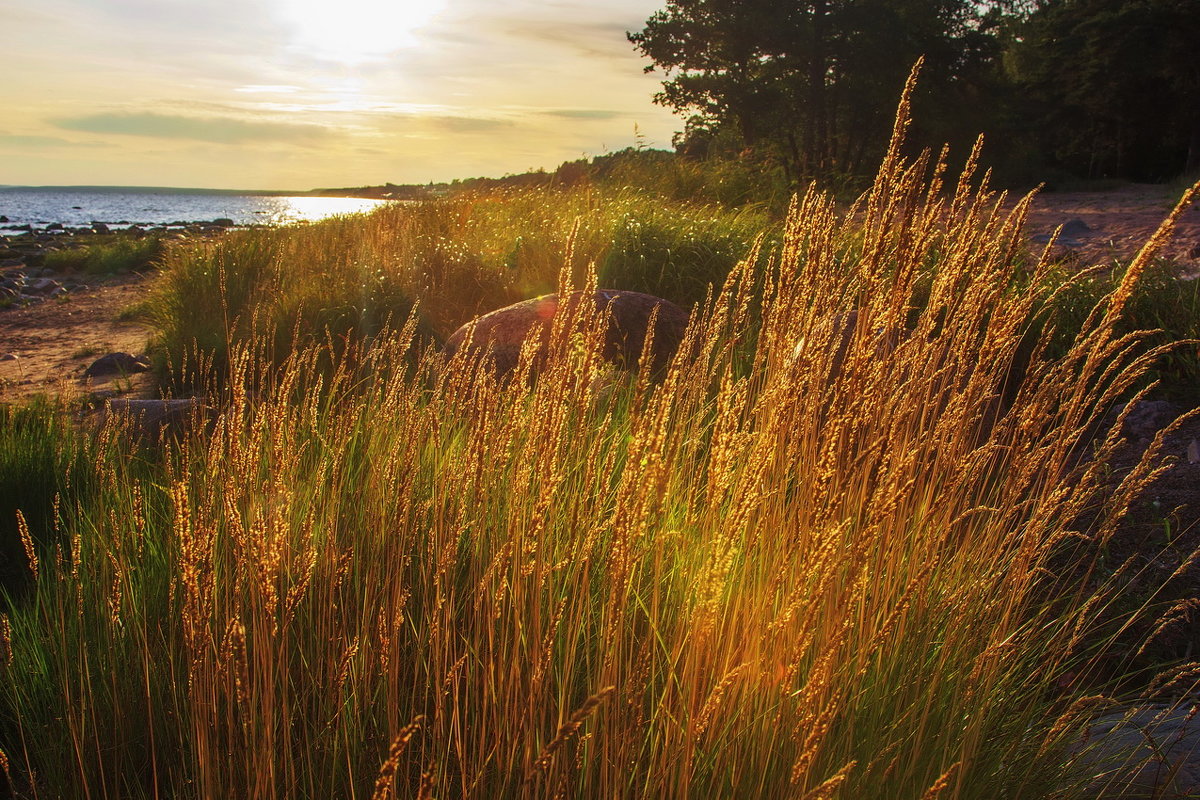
[502, 333]
[117, 364]
[1139, 754]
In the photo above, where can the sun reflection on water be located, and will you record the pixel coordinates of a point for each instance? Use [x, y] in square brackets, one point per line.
[287, 210]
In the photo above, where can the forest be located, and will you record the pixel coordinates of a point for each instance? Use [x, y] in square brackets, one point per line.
[1061, 89]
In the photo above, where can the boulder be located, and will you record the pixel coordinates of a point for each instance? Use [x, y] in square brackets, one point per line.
[502, 333]
[223, 222]
[117, 364]
[1142, 752]
[99, 227]
[156, 420]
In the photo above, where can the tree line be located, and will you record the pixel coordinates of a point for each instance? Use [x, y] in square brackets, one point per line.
[1060, 88]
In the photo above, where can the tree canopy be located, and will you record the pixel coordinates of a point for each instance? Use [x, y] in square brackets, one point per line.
[1092, 87]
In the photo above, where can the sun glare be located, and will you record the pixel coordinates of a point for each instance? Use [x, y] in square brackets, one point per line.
[354, 31]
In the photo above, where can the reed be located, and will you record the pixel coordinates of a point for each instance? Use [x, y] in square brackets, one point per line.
[452, 259]
[809, 561]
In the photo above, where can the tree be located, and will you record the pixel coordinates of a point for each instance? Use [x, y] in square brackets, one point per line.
[1112, 89]
[812, 83]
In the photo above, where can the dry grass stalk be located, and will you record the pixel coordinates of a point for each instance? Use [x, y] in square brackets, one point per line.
[825, 537]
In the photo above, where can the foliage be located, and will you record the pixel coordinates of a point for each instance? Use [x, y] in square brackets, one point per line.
[812, 83]
[124, 254]
[1111, 89]
[1091, 88]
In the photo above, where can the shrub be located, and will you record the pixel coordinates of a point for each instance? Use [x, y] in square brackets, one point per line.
[122, 255]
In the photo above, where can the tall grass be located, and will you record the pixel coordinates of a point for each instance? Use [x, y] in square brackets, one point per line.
[452, 259]
[791, 568]
[123, 254]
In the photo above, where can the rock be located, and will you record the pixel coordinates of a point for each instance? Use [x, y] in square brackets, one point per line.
[43, 286]
[1075, 228]
[117, 364]
[503, 332]
[1194, 252]
[1145, 419]
[99, 227]
[11, 263]
[156, 420]
[54, 226]
[223, 222]
[1146, 752]
[3, 218]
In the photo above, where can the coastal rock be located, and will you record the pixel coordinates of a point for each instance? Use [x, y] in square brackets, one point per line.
[117, 364]
[223, 222]
[502, 333]
[1146, 752]
[43, 286]
[99, 227]
[3, 218]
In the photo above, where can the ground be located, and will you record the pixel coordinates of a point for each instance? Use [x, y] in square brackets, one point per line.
[46, 346]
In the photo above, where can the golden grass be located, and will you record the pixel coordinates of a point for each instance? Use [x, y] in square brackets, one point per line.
[810, 562]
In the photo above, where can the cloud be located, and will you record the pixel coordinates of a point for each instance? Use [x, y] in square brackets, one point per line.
[18, 140]
[268, 89]
[470, 124]
[583, 113]
[592, 40]
[221, 130]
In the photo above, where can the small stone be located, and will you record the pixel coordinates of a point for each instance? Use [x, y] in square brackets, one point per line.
[1193, 452]
[1075, 227]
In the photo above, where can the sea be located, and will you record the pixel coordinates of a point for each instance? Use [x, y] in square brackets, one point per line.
[120, 207]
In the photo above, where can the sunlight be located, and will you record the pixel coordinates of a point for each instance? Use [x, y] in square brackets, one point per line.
[354, 31]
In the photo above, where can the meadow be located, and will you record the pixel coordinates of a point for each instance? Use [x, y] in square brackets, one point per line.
[807, 560]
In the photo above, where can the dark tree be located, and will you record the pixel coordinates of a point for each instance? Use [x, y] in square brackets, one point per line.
[1112, 89]
[813, 83]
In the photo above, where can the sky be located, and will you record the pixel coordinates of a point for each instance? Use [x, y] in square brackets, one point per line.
[303, 94]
